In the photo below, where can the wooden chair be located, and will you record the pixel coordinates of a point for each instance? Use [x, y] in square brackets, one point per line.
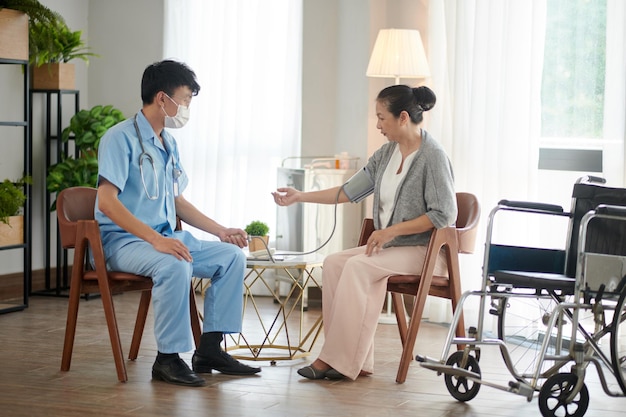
[79, 230]
[456, 239]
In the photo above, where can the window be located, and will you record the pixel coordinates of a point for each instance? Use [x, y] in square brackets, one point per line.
[573, 82]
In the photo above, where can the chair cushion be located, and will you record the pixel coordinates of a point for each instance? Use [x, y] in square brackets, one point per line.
[117, 276]
[437, 281]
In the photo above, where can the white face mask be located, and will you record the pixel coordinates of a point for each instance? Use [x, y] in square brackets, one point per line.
[179, 119]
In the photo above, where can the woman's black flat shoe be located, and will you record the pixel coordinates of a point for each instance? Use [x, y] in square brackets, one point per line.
[333, 374]
[311, 373]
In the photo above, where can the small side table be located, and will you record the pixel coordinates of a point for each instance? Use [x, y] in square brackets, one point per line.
[286, 335]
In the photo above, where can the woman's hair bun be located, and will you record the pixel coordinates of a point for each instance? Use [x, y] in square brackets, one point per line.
[425, 97]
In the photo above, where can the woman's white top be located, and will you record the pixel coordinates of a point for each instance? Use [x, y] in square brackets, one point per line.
[390, 181]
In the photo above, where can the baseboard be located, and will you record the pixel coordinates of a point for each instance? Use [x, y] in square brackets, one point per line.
[12, 285]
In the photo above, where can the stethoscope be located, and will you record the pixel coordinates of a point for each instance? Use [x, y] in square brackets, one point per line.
[145, 156]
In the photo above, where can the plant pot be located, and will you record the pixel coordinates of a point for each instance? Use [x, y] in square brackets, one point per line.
[256, 243]
[55, 76]
[12, 233]
[13, 35]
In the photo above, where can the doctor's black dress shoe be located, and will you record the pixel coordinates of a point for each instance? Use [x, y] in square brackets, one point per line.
[176, 371]
[222, 362]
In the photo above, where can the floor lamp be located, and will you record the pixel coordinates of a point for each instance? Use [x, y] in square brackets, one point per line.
[397, 53]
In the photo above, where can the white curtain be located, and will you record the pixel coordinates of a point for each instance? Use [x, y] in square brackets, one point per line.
[615, 90]
[486, 58]
[247, 57]
[486, 61]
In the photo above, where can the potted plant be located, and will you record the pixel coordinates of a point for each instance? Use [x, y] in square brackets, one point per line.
[86, 128]
[51, 46]
[259, 230]
[14, 18]
[12, 200]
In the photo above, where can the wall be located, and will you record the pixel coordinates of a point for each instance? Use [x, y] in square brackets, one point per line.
[128, 35]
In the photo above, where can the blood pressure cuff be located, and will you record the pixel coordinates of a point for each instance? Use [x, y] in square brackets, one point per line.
[359, 186]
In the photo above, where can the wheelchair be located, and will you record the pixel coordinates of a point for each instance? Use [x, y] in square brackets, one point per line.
[553, 312]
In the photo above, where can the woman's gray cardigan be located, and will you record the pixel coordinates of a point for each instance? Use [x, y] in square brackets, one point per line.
[427, 188]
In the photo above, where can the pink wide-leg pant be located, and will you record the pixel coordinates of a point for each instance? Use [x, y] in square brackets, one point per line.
[353, 295]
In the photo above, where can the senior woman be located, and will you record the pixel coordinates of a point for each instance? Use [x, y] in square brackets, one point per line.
[413, 185]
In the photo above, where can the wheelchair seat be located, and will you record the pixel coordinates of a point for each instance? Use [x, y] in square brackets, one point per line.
[537, 280]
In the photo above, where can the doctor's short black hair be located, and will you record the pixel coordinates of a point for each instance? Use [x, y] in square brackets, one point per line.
[167, 75]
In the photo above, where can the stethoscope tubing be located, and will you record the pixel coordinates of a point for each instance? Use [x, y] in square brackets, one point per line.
[146, 156]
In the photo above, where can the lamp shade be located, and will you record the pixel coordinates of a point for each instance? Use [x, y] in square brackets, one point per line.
[398, 53]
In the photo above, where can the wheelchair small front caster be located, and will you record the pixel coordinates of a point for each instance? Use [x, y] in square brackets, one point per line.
[460, 387]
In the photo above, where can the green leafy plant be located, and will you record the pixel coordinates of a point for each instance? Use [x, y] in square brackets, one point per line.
[51, 42]
[86, 128]
[12, 197]
[257, 228]
[73, 172]
[36, 11]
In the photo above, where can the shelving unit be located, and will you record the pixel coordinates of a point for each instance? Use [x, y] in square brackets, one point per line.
[54, 102]
[26, 247]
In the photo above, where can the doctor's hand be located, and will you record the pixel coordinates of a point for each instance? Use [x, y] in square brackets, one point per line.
[173, 247]
[285, 196]
[235, 236]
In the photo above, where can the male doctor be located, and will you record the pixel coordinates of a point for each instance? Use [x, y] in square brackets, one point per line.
[140, 186]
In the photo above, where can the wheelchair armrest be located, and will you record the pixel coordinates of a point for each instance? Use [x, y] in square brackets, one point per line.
[609, 210]
[553, 208]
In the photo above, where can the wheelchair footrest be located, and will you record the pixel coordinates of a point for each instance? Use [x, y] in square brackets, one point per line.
[450, 370]
[515, 387]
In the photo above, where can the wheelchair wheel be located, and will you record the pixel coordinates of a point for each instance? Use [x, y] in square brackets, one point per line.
[554, 392]
[522, 326]
[460, 387]
[618, 342]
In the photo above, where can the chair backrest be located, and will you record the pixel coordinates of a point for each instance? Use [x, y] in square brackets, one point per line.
[467, 219]
[74, 204]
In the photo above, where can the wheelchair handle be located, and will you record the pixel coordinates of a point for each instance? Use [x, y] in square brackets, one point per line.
[591, 179]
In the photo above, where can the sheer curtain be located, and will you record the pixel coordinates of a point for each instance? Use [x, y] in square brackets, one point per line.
[486, 58]
[247, 58]
[486, 62]
[615, 90]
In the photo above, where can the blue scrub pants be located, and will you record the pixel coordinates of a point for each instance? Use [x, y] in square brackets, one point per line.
[223, 263]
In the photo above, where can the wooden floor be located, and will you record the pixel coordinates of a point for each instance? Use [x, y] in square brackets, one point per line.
[32, 385]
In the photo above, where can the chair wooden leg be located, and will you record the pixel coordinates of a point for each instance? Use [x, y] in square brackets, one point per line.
[70, 327]
[114, 335]
[455, 293]
[409, 344]
[414, 323]
[460, 327]
[140, 323]
[398, 307]
[196, 328]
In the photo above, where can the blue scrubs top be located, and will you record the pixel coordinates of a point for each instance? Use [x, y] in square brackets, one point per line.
[119, 156]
